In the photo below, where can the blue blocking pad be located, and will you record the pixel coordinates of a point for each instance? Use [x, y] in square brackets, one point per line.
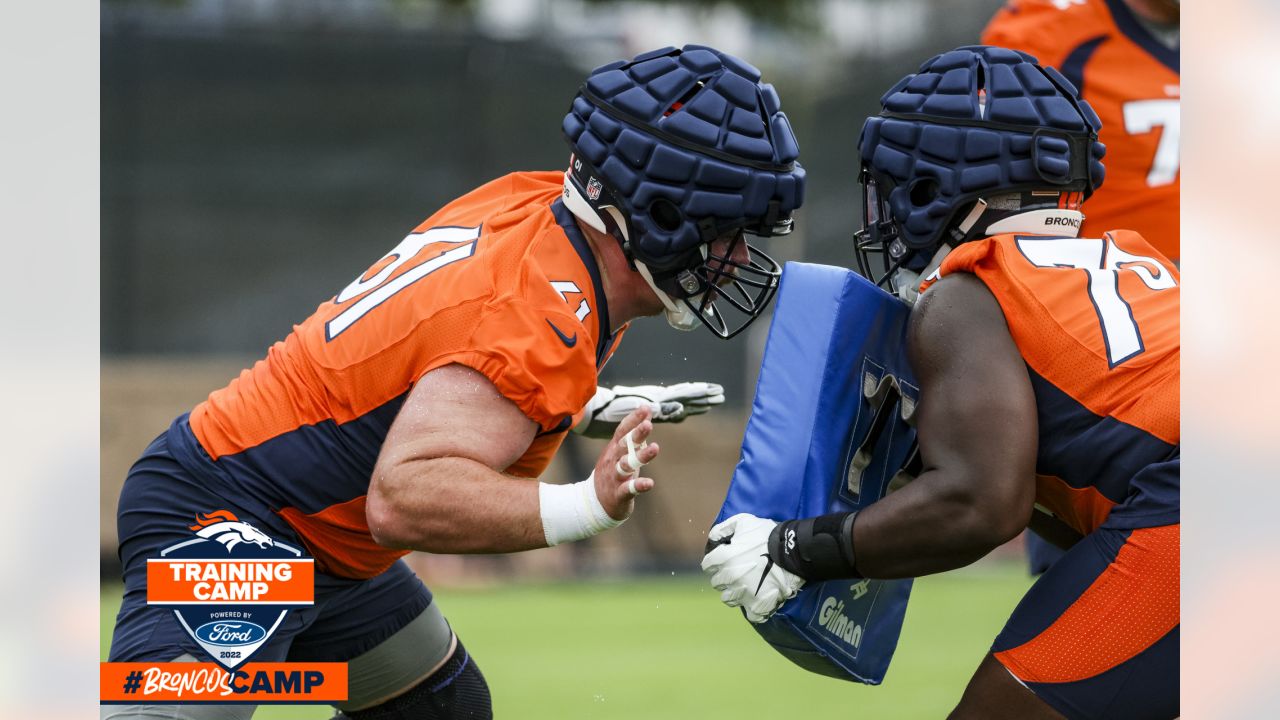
[830, 431]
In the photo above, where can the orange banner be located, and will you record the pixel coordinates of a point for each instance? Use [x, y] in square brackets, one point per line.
[189, 682]
[238, 582]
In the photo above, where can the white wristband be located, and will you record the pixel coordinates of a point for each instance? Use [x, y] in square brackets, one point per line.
[572, 512]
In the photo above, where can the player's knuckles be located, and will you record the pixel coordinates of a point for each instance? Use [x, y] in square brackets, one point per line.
[756, 611]
[725, 577]
[722, 530]
[731, 596]
[730, 526]
[712, 562]
[762, 608]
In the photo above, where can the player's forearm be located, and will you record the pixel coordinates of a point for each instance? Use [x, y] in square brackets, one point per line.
[932, 525]
[453, 505]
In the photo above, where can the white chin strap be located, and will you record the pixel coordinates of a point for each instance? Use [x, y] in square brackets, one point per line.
[907, 284]
[679, 316]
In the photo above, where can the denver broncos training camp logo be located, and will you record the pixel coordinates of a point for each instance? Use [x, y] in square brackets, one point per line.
[230, 585]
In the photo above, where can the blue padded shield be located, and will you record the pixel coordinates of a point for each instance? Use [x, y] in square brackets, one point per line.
[827, 434]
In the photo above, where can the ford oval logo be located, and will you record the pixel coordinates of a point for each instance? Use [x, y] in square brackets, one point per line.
[230, 633]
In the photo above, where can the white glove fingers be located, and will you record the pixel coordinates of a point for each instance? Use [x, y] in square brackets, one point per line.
[714, 560]
[611, 407]
[668, 411]
[717, 399]
[692, 390]
[741, 571]
[764, 604]
[725, 528]
[732, 596]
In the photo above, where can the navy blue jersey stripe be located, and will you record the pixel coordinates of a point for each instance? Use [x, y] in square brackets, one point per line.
[1073, 65]
[1089, 450]
[565, 219]
[309, 468]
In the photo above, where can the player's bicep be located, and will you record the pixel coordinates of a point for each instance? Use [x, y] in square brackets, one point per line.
[455, 411]
[977, 415]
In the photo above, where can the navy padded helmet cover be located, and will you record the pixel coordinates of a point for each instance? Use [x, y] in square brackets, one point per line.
[934, 129]
[732, 114]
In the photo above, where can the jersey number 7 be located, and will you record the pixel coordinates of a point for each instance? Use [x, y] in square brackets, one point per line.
[1103, 261]
[380, 286]
[1143, 116]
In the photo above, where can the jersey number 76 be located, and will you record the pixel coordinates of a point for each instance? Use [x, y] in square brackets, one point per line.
[1103, 261]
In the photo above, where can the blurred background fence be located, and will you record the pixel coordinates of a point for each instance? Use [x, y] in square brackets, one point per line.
[258, 154]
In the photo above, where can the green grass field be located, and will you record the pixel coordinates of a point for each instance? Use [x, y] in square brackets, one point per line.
[657, 648]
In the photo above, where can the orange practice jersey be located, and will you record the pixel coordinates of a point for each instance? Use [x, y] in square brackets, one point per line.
[1096, 320]
[1132, 82]
[500, 280]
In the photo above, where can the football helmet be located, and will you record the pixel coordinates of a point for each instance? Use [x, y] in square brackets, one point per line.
[977, 136]
[676, 149]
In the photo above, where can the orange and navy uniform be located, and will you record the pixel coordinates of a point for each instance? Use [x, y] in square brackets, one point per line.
[1132, 81]
[1102, 350]
[1096, 322]
[500, 280]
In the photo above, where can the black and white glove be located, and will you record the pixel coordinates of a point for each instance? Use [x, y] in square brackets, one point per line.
[671, 403]
[741, 570]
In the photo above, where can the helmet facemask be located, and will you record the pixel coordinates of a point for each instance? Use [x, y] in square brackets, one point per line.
[691, 291]
[878, 236]
[746, 287]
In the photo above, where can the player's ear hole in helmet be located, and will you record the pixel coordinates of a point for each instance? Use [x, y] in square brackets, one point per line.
[975, 137]
[672, 151]
[665, 215]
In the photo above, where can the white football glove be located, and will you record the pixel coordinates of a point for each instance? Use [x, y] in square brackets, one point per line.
[672, 403]
[741, 570]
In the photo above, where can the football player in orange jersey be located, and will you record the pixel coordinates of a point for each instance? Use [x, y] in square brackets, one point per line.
[1048, 367]
[1123, 57]
[415, 407]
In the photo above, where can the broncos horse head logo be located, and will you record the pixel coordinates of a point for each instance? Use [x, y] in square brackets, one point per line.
[224, 527]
